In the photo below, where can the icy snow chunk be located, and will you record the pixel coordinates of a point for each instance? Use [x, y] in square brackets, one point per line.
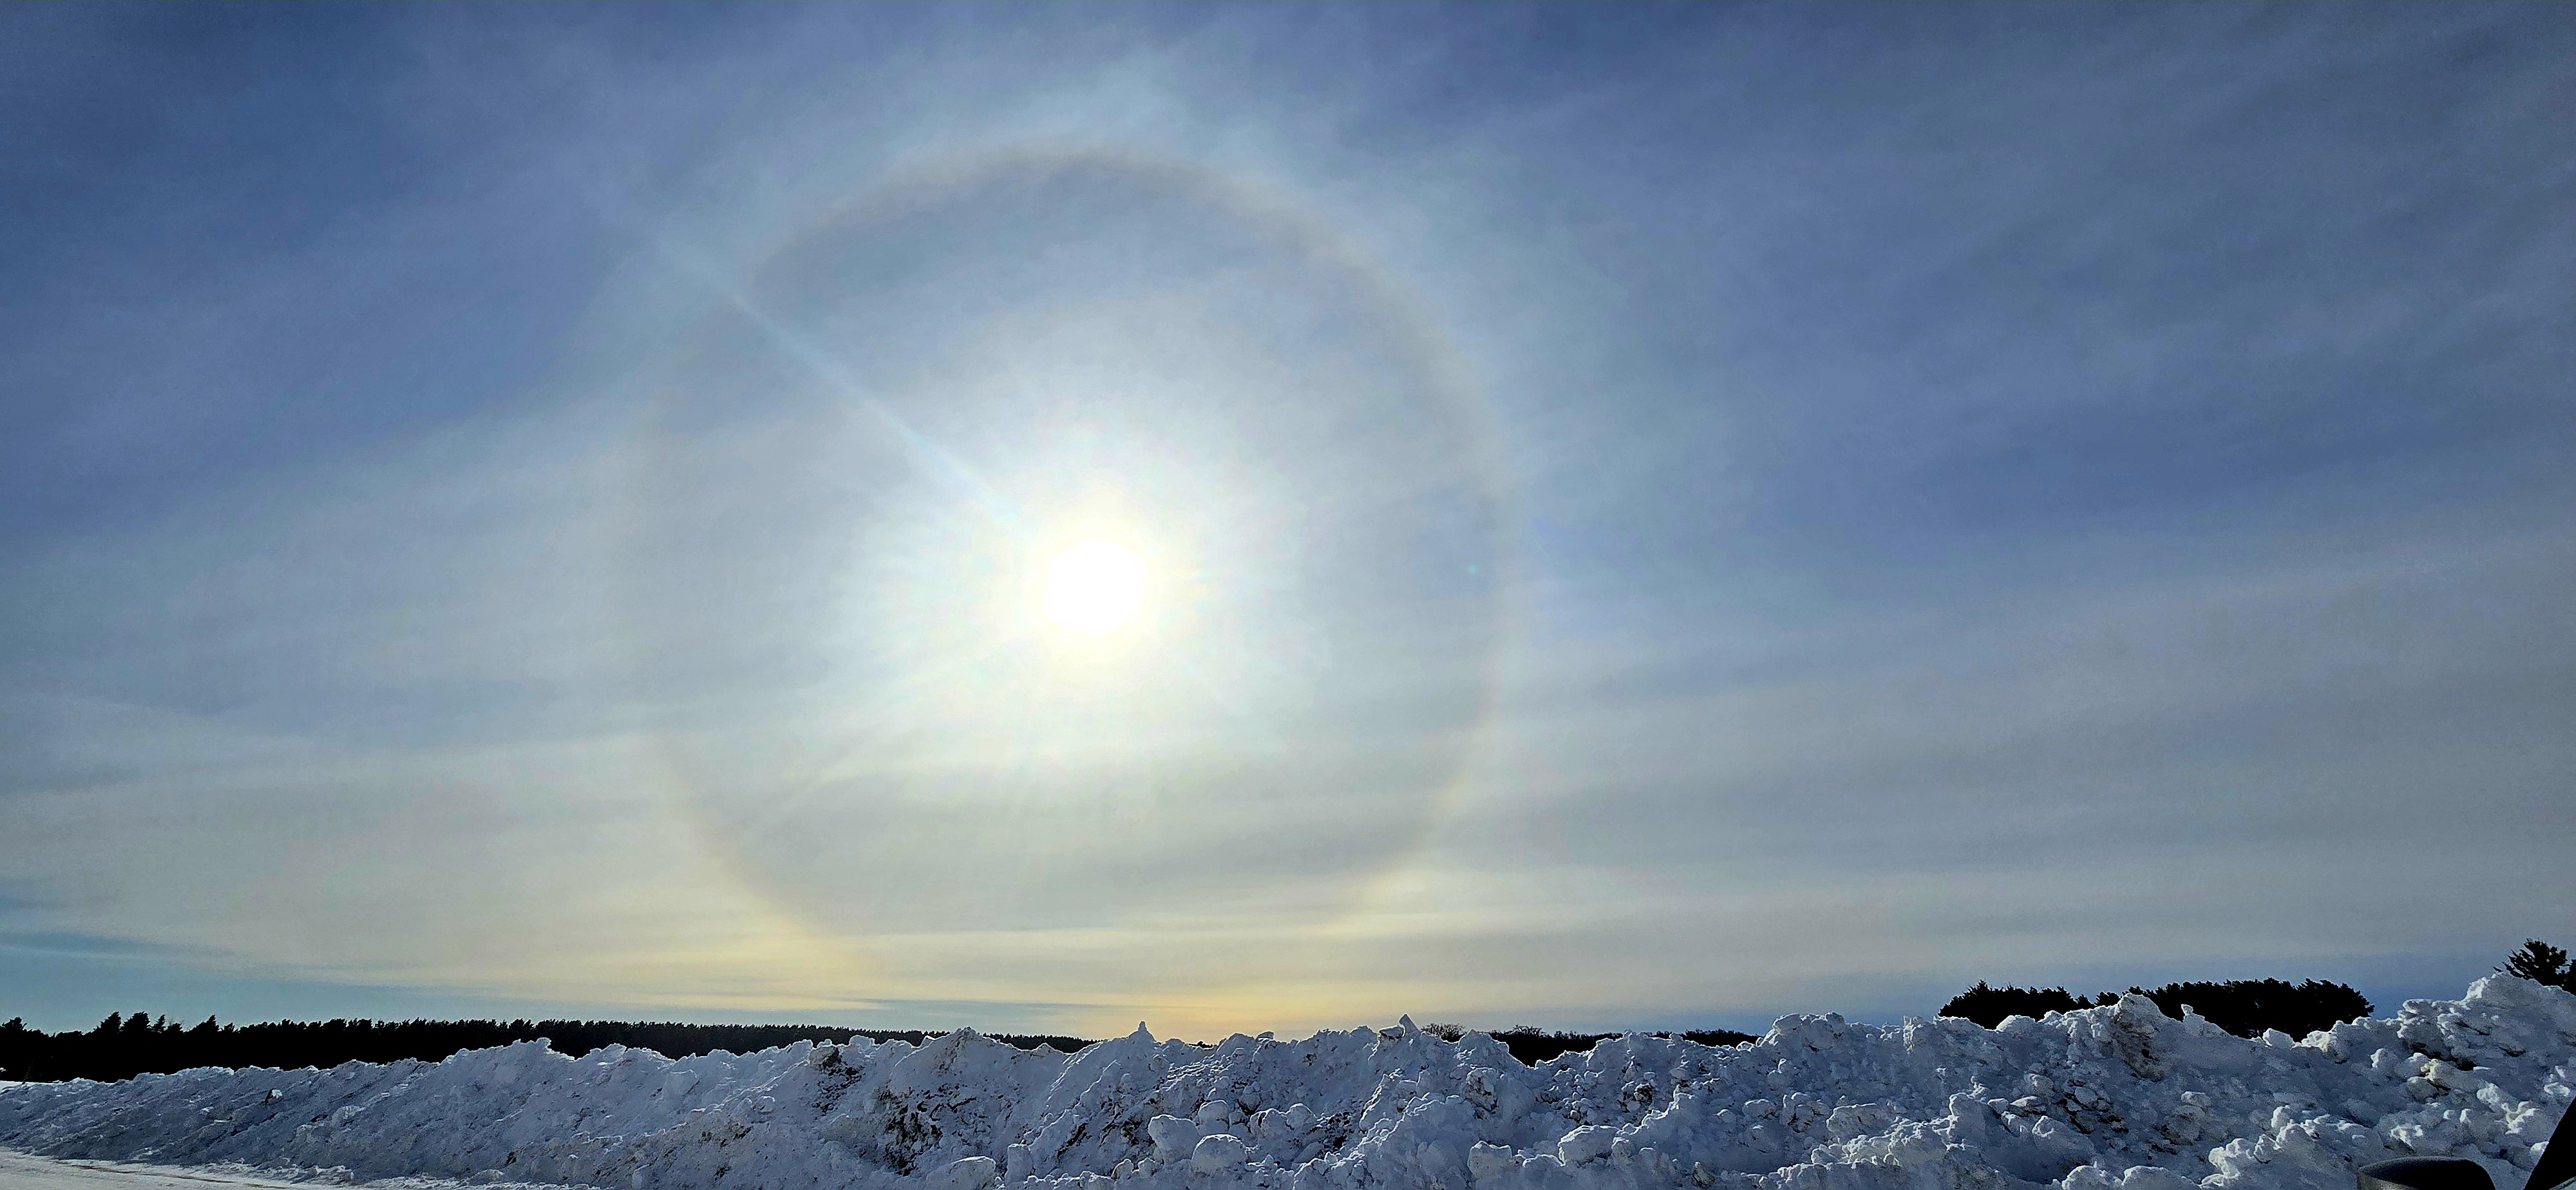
[1218, 1153]
[2154, 1177]
[971, 1173]
[1588, 1143]
[1174, 1137]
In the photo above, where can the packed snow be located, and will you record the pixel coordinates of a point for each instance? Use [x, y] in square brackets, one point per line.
[2114, 1098]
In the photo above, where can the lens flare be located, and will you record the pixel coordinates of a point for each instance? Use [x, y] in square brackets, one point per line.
[1094, 588]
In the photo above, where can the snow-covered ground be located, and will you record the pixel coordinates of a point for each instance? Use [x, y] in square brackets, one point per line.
[2116, 1097]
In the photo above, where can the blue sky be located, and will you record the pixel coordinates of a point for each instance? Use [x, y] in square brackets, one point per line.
[1654, 516]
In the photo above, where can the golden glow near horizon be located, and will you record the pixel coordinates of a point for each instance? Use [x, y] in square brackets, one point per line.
[1094, 587]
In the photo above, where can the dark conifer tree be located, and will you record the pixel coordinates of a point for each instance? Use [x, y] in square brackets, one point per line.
[2540, 962]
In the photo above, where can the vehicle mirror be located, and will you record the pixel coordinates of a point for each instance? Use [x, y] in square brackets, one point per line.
[2426, 1173]
[2557, 1168]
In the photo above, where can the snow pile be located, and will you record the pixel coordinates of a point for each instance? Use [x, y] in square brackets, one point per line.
[2113, 1098]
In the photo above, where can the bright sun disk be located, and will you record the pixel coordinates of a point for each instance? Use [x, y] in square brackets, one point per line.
[1094, 587]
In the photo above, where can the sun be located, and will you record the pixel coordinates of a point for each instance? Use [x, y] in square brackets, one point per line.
[1094, 587]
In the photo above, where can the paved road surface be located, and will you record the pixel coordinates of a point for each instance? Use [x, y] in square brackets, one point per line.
[18, 1171]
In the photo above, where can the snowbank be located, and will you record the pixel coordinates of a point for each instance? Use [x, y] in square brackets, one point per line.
[2113, 1098]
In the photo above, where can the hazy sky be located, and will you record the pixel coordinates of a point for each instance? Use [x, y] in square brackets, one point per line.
[1657, 516]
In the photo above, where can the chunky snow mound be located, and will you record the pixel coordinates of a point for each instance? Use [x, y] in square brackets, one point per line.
[2114, 1098]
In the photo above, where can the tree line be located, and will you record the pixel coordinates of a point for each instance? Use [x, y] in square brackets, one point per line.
[123, 1046]
[2244, 1007]
[1532, 1045]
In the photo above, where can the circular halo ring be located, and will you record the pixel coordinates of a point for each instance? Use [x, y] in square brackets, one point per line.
[1385, 299]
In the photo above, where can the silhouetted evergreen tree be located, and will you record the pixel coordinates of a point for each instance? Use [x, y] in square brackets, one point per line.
[17, 1045]
[2540, 962]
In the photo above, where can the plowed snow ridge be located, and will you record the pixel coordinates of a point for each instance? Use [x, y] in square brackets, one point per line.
[2121, 1096]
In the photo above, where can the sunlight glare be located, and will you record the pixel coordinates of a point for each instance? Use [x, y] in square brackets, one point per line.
[1094, 587]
